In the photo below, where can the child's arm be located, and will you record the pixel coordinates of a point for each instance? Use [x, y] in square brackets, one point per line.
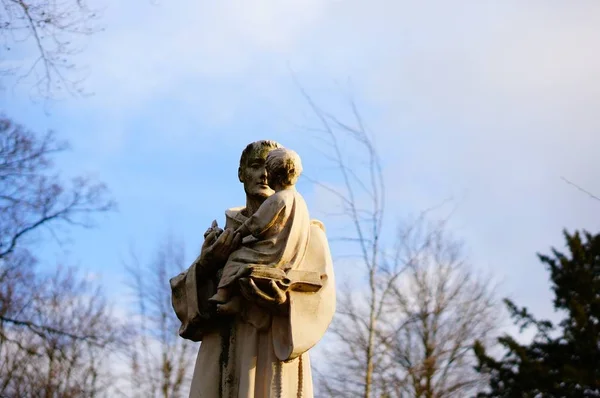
[264, 218]
[242, 230]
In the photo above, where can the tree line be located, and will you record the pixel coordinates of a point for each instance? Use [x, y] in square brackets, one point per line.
[423, 324]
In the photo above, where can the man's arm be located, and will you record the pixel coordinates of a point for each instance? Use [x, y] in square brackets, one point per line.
[192, 288]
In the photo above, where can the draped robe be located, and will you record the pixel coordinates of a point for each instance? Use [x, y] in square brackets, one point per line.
[256, 354]
[281, 228]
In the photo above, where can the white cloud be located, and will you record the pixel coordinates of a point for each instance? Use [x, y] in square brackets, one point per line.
[495, 100]
[153, 50]
[501, 113]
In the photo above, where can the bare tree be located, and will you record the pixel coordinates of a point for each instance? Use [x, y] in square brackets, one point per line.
[436, 313]
[54, 326]
[56, 331]
[380, 317]
[49, 29]
[362, 201]
[32, 196]
[160, 361]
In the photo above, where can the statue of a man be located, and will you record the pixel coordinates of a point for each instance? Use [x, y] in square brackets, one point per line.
[261, 352]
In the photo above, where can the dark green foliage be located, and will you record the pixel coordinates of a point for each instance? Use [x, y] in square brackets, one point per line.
[562, 360]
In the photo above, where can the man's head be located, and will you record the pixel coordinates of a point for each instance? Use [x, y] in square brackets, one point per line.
[283, 167]
[252, 172]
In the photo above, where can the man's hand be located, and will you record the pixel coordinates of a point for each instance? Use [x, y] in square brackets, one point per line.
[217, 246]
[275, 300]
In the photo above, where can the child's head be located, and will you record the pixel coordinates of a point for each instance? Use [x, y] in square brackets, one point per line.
[283, 167]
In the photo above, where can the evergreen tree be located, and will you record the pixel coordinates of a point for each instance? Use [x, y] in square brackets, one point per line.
[562, 360]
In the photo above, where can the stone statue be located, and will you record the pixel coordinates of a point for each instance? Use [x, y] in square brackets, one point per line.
[280, 228]
[279, 290]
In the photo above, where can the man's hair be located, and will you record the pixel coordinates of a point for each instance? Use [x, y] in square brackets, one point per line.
[257, 146]
[283, 166]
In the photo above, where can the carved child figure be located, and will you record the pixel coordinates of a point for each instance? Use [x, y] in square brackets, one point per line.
[280, 226]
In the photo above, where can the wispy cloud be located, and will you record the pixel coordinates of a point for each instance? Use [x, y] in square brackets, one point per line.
[487, 102]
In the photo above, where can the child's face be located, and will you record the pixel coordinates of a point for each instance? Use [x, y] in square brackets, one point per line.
[271, 180]
[276, 178]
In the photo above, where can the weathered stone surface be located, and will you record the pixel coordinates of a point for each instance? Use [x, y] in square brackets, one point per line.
[273, 273]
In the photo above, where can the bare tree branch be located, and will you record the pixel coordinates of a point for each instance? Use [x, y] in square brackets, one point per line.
[407, 330]
[51, 27]
[31, 197]
[56, 328]
[42, 330]
[591, 195]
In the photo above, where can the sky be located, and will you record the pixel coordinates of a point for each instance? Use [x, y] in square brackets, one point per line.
[486, 102]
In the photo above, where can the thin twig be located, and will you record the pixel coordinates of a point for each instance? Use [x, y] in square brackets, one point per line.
[591, 195]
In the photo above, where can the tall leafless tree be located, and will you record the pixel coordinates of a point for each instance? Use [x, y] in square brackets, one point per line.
[437, 311]
[33, 197]
[409, 295]
[54, 325]
[362, 201]
[161, 362]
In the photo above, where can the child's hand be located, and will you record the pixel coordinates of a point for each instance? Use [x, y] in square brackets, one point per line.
[215, 251]
[213, 227]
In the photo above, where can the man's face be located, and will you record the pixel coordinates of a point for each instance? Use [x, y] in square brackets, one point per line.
[254, 175]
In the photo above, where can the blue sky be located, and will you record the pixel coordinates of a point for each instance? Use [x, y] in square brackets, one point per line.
[488, 102]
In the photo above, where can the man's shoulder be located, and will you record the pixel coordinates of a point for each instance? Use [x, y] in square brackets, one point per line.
[234, 211]
[318, 224]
